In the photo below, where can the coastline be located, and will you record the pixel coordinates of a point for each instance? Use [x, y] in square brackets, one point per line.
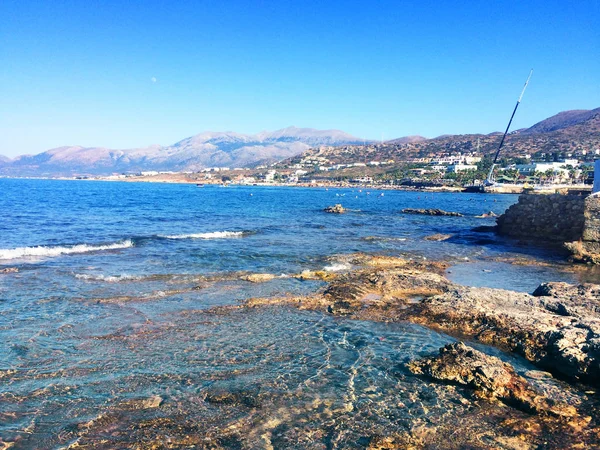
[179, 178]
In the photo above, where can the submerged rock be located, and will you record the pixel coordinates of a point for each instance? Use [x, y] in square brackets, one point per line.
[489, 377]
[335, 209]
[259, 277]
[143, 403]
[431, 212]
[438, 237]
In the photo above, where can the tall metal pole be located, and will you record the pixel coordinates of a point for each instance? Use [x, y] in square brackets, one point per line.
[489, 178]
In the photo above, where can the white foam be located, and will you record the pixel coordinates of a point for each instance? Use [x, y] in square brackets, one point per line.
[212, 235]
[42, 251]
[337, 267]
[107, 278]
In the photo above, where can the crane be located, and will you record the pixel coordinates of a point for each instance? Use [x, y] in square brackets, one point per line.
[490, 178]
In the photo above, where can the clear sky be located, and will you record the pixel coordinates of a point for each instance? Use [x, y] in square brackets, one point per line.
[124, 74]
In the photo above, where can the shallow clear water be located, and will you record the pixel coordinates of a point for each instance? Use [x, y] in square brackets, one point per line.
[112, 305]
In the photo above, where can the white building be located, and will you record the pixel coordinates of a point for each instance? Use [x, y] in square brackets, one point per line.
[455, 168]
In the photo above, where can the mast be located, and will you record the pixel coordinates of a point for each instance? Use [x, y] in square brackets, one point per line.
[490, 174]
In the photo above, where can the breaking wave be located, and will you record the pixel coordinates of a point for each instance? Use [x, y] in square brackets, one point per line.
[108, 278]
[211, 235]
[43, 251]
[337, 267]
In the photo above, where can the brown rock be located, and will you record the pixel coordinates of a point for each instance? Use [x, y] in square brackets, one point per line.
[489, 377]
[335, 209]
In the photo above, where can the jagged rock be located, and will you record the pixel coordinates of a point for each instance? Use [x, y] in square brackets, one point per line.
[438, 237]
[431, 212]
[9, 270]
[489, 377]
[335, 209]
[554, 333]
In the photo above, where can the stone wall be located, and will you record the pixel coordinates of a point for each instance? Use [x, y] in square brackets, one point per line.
[551, 218]
[587, 248]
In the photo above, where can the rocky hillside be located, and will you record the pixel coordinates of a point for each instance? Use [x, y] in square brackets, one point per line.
[209, 149]
[568, 132]
[569, 122]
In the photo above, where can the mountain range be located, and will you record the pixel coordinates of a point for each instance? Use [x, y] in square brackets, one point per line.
[208, 149]
[567, 131]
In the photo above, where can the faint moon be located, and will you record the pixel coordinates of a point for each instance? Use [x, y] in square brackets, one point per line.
[153, 79]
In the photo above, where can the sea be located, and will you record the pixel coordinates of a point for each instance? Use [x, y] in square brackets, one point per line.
[116, 329]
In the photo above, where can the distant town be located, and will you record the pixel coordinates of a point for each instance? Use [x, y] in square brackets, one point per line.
[451, 170]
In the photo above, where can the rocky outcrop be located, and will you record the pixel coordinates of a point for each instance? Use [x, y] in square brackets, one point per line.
[335, 209]
[557, 328]
[489, 377]
[551, 332]
[431, 212]
[9, 270]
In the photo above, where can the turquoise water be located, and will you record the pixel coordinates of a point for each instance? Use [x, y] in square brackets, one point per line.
[112, 303]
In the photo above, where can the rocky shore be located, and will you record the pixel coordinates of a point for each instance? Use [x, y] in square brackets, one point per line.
[557, 328]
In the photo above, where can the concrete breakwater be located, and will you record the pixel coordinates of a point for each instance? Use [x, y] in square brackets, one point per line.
[573, 220]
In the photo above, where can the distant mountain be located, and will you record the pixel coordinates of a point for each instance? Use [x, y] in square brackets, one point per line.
[575, 120]
[208, 149]
[407, 140]
[4, 159]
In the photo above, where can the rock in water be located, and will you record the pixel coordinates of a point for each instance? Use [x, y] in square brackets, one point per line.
[438, 237]
[335, 209]
[489, 377]
[431, 212]
[259, 277]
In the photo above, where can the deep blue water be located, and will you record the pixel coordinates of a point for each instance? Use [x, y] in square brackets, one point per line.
[113, 278]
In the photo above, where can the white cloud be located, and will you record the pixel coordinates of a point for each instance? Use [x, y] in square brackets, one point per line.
[153, 79]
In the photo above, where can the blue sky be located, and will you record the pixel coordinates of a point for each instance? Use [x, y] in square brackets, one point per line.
[130, 74]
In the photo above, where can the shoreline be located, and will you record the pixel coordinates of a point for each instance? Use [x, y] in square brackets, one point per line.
[178, 179]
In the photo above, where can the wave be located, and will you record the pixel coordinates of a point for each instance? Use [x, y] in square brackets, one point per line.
[337, 267]
[108, 278]
[43, 251]
[211, 235]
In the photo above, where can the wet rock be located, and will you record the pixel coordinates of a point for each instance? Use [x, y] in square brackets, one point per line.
[335, 209]
[259, 277]
[223, 397]
[438, 237]
[322, 275]
[550, 332]
[431, 212]
[146, 403]
[9, 270]
[538, 374]
[489, 377]
[570, 300]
